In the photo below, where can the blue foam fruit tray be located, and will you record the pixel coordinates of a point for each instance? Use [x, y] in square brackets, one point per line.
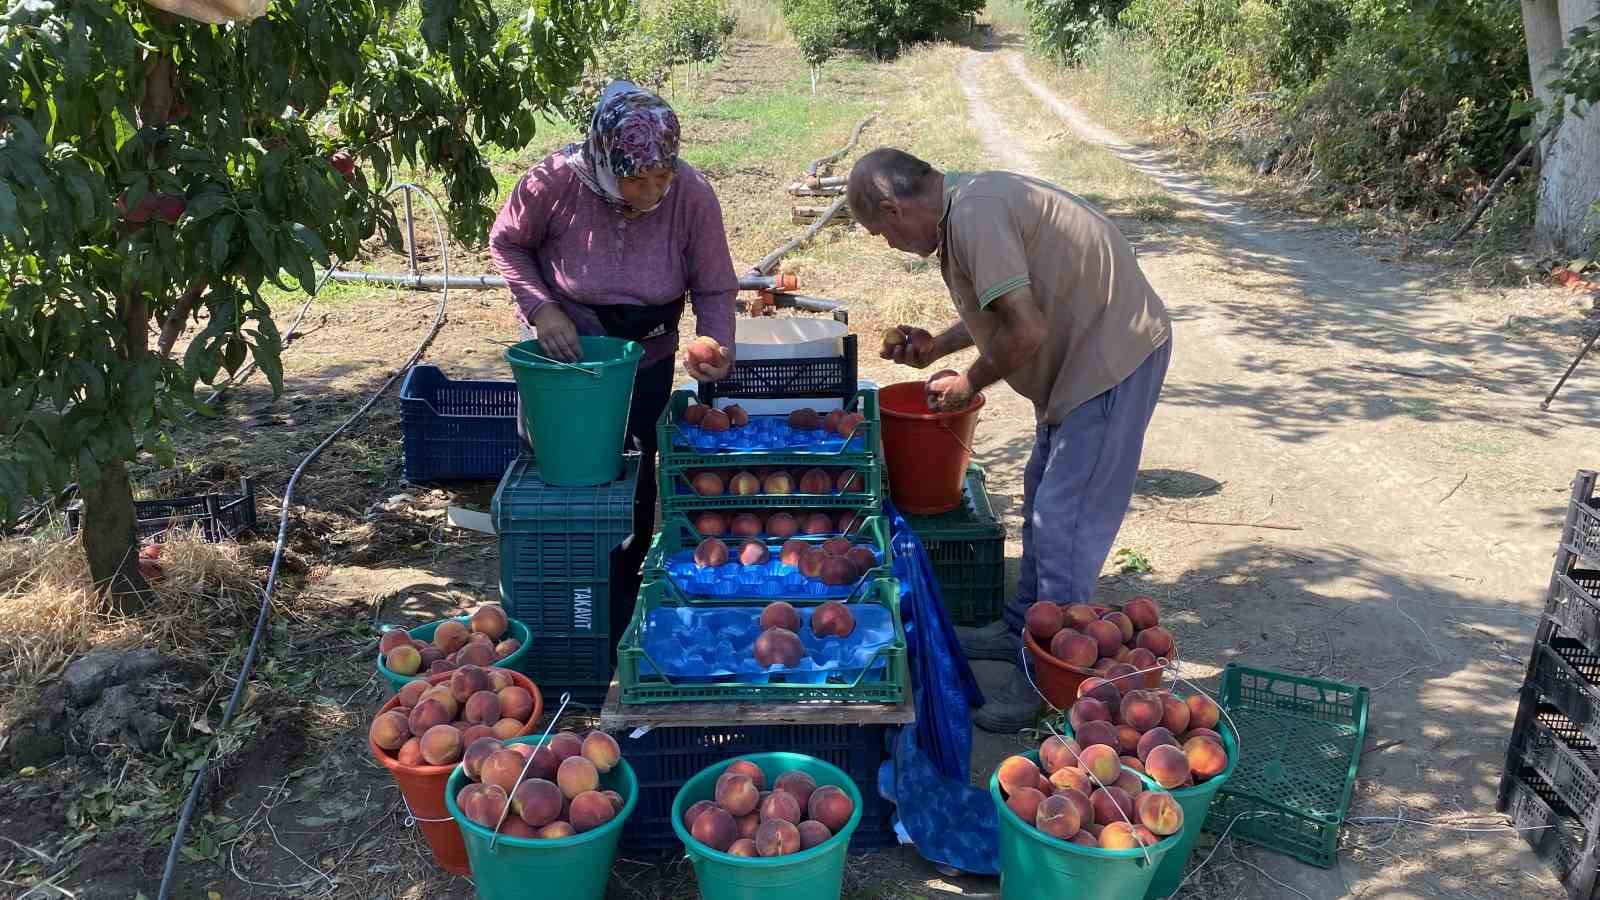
[717, 644]
[771, 579]
[763, 433]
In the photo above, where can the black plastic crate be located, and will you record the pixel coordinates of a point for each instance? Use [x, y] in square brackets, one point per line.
[1563, 755]
[819, 377]
[1584, 538]
[1567, 674]
[664, 759]
[1556, 833]
[457, 430]
[1574, 605]
[219, 516]
[967, 547]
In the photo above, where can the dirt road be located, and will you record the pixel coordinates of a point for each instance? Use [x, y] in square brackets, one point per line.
[1392, 491]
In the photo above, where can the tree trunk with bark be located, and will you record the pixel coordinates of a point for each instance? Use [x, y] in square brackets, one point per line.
[110, 542]
[1565, 220]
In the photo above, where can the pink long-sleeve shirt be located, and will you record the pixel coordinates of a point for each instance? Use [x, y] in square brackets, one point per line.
[556, 242]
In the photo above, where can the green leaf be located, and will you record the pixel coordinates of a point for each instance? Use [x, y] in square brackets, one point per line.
[206, 205]
[221, 236]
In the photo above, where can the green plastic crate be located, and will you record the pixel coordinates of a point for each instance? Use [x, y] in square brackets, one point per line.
[676, 535]
[677, 492]
[892, 685]
[673, 458]
[968, 548]
[1300, 744]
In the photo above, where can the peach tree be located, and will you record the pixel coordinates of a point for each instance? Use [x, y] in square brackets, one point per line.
[157, 171]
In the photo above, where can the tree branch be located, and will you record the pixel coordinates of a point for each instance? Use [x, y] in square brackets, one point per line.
[1500, 181]
[179, 317]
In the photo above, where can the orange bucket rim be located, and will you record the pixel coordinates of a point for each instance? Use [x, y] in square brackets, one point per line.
[884, 409]
[1044, 656]
[396, 766]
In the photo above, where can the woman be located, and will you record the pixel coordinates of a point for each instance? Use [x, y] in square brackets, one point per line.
[611, 237]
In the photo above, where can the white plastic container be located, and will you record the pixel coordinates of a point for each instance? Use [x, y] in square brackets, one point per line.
[789, 337]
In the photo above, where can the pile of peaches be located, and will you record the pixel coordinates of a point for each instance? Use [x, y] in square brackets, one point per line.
[480, 641]
[748, 820]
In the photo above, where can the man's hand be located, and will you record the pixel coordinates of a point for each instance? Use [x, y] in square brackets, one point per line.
[909, 346]
[950, 393]
[558, 337]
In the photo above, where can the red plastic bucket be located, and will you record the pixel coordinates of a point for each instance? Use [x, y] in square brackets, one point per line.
[423, 787]
[927, 451]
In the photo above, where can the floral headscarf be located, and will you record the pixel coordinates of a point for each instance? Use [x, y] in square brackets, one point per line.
[632, 130]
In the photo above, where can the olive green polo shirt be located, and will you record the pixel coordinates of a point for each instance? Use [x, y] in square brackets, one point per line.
[1001, 231]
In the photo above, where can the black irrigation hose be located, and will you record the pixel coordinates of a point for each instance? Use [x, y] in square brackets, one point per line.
[170, 870]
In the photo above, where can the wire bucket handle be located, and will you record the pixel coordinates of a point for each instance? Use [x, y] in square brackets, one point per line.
[542, 358]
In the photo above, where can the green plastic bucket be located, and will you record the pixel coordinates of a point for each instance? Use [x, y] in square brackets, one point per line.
[1196, 803]
[1034, 864]
[572, 868]
[577, 415]
[815, 874]
[424, 633]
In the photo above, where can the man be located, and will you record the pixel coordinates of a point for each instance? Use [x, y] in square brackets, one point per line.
[1050, 293]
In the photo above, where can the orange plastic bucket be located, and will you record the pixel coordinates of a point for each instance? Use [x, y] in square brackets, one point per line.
[927, 451]
[1056, 680]
[423, 787]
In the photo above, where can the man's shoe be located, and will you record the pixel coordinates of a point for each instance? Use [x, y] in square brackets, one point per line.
[993, 641]
[1010, 709]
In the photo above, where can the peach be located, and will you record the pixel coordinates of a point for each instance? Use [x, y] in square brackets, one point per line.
[390, 730]
[779, 647]
[1101, 762]
[815, 481]
[482, 803]
[836, 546]
[781, 805]
[1155, 639]
[515, 702]
[478, 750]
[1074, 648]
[1174, 714]
[862, 558]
[711, 553]
[849, 481]
[1071, 778]
[601, 750]
[1132, 762]
[1017, 772]
[1168, 765]
[1153, 738]
[1043, 620]
[805, 419]
[836, 571]
[744, 484]
[694, 413]
[412, 692]
[830, 422]
[707, 484]
[490, 619]
[704, 352]
[778, 483]
[746, 826]
[737, 417]
[1085, 839]
[440, 693]
[617, 803]
[410, 753]
[816, 523]
[715, 421]
[397, 637]
[1142, 710]
[503, 768]
[403, 660]
[833, 618]
[1056, 753]
[748, 768]
[499, 679]
[847, 521]
[1057, 816]
[746, 525]
[848, 423]
[1045, 787]
[477, 655]
[507, 728]
[743, 847]
[466, 681]
[1129, 782]
[780, 615]
[1142, 612]
[737, 793]
[1119, 836]
[1111, 804]
[1080, 801]
[442, 667]
[1148, 666]
[1123, 655]
[479, 638]
[1025, 803]
[694, 811]
[537, 801]
[506, 647]
[1123, 623]
[792, 552]
[590, 810]
[797, 784]
[1079, 615]
[813, 833]
[515, 827]
[483, 708]
[754, 553]
[777, 837]
[430, 655]
[1203, 712]
[576, 775]
[1128, 739]
[1146, 836]
[1099, 733]
[1106, 634]
[1160, 812]
[450, 636]
[1086, 710]
[832, 807]
[710, 524]
[1198, 732]
[426, 715]
[782, 525]
[1207, 758]
[1124, 676]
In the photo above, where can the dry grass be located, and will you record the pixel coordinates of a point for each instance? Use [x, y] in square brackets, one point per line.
[760, 21]
[49, 612]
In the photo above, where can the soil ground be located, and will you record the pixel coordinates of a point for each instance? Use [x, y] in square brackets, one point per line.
[1348, 477]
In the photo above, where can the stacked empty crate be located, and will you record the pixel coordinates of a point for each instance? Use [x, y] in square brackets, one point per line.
[666, 757]
[967, 547]
[1551, 784]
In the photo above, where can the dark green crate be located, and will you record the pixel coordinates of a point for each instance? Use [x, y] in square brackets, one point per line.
[968, 549]
[678, 494]
[675, 459]
[1300, 742]
[676, 535]
[893, 685]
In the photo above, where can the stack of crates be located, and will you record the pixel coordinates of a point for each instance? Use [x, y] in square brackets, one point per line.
[556, 558]
[968, 549]
[1551, 784]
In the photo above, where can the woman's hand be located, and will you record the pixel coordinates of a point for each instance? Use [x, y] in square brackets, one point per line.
[705, 360]
[558, 337]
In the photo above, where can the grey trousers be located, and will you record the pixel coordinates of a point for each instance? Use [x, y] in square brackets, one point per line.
[1077, 487]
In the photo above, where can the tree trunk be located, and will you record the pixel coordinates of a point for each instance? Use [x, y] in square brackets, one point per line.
[1565, 221]
[110, 542]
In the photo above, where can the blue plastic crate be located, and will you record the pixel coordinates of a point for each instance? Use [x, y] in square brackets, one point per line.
[457, 430]
[555, 573]
[664, 759]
